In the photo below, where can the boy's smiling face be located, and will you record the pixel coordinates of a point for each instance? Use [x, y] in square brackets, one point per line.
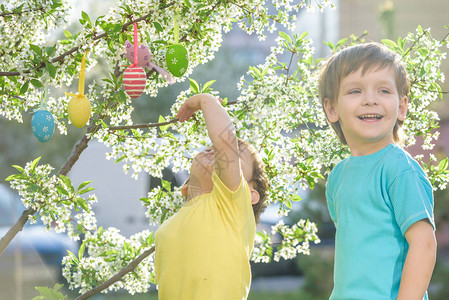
[367, 108]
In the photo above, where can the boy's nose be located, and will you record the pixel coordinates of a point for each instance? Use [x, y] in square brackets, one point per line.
[370, 99]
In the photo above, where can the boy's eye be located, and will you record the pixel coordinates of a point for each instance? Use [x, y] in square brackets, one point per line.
[385, 91]
[354, 92]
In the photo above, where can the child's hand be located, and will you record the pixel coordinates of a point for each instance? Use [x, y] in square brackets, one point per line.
[189, 107]
[192, 105]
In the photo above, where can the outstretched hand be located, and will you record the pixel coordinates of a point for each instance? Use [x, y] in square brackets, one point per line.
[191, 106]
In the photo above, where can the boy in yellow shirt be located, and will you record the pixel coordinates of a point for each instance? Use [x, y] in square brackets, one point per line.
[203, 251]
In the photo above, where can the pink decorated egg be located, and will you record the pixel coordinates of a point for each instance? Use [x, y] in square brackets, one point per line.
[134, 81]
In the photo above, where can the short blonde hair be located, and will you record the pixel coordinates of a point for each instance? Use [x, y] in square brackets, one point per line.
[362, 57]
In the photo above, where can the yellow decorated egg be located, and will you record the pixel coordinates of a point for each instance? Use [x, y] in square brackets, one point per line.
[177, 59]
[79, 110]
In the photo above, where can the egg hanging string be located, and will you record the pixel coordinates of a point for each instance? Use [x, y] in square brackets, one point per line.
[81, 79]
[176, 29]
[136, 62]
[134, 77]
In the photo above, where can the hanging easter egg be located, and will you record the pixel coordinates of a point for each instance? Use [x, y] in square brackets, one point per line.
[43, 125]
[177, 59]
[79, 110]
[134, 81]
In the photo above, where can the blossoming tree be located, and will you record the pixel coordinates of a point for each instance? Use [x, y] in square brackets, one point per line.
[278, 111]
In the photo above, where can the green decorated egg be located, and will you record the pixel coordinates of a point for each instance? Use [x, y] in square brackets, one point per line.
[177, 59]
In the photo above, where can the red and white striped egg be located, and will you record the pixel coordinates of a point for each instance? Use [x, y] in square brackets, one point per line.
[134, 81]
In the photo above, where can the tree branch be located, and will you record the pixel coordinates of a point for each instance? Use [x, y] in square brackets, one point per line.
[118, 276]
[16, 228]
[4, 14]
[75, 49]
[136, 126]
[114, 128]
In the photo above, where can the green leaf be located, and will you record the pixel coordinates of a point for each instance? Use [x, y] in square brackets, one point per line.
[341, 42]
[58, 286]
[166, 185]
[36, 49]
[16, 177]
[150, 239]
[86, 190]
[82, 185]
[207, 85]
[50, 50]
[401, 43]
[158, 27]
[187, 3]
[44, 291]
[442, 166]
[330, 45]
[194, 86]
[56, 4]
[82, 249]
[51, 69]
[296, 198]
[419, 29]
[224, 102]
[303, 35]
[34, 164]
[19, 168]
[310, 182]
[66, 180]
[81, 202]
[390, 44]
[36, 83]
[285, 37]
[86, 18]
[162, 120]
[68, 34]
[120, 159]
[24, 87]
[62, 190]
[73, 256]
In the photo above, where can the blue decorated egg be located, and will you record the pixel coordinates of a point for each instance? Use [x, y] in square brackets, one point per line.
[43, 125]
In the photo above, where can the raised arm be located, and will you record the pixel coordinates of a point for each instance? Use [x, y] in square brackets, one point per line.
[420, 261]
[221, 131]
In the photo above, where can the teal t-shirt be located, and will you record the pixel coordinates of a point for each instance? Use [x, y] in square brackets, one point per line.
[373, 200]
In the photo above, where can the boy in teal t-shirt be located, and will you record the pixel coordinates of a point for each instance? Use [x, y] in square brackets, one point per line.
[379, 198]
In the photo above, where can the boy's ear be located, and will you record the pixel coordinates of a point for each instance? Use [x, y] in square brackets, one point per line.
[331, 113]
[402, 110]
[254, 196]
[184, 189]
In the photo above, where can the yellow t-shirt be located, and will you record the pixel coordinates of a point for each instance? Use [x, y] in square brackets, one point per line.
[202, 252]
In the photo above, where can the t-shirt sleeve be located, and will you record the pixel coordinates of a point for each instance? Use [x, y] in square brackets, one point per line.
[235, 206]
[330, 202]
[412, 199]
